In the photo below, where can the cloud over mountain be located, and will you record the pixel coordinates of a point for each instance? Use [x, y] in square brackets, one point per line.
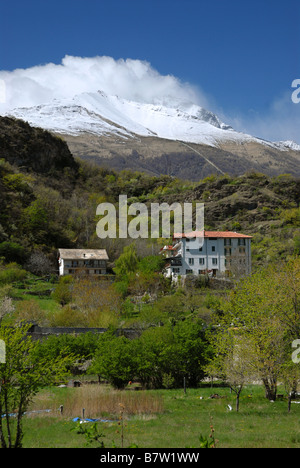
[130, 79]
[139, 81]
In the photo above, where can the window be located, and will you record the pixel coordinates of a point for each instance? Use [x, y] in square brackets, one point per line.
[213, 248]
[191, 261]
[189, 272]
[242, 242]
[176, 270]
[201, 261]
[227, 241]
[201, 272]
[215, 261]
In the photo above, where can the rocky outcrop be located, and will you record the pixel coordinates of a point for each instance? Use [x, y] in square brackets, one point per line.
[33, 149]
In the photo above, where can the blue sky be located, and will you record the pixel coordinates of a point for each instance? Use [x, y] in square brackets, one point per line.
[242, 55]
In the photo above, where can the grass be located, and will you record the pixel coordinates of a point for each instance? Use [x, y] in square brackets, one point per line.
[164, 418]
[33, 300]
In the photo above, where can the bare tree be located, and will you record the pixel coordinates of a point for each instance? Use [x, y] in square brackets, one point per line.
[39, 263]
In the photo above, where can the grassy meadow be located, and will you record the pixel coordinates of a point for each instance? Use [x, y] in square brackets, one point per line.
[163, 418]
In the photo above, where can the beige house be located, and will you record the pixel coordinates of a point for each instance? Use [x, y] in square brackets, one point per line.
[82, 261]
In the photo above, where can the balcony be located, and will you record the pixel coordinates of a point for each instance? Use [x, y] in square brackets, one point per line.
[176, 261]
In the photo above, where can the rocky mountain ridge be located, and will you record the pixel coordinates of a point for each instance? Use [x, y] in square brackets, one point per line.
[179, 139]
[34, 149]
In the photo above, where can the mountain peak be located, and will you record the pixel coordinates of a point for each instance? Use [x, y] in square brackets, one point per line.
[102, 114]
[169, 136]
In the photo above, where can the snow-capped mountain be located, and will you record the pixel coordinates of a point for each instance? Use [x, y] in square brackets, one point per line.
[172, 136]
[102, 115]
[287, 145]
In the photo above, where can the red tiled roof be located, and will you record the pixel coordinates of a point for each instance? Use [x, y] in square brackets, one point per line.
[217, 234]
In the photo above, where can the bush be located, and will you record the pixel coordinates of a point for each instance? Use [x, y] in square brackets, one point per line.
[12, 252]
[82, 345]
[291, 216]
[114, 360]
[12, 273]
[62, 293]
[160, 357]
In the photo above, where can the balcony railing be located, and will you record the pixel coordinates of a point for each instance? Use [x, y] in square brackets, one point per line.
[176, 261]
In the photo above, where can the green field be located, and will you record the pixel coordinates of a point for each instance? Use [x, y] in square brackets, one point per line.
[164, 418]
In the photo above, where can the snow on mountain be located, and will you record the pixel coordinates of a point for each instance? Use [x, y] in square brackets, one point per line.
[287, 145]
[102, 114]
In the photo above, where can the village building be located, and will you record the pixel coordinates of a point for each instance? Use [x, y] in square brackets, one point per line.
[213, 253]
[82, 261]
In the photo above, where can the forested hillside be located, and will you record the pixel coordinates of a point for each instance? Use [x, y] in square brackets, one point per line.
[52, 204]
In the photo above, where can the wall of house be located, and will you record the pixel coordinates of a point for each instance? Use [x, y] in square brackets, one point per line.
[213, 255]
[61, 266]
[70, 266]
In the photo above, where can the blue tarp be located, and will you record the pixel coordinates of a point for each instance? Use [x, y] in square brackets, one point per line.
[92, 420]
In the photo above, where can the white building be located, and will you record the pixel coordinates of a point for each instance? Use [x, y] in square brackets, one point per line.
[208, 252]
[82, 261]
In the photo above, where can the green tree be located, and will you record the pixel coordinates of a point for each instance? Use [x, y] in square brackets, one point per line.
[154, 356]
[114, 360]
[257, 312]
[127, 262]
[151, 264]
[63, 290]
[36, 217]
[175, 352]
[12, 252]
[22, 375]
[192, 351]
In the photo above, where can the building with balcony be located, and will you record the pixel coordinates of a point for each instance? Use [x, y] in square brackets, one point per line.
[213, 253]
[82, 261]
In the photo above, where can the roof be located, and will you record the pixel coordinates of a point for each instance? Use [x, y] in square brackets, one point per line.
[83, 254]
[216, 234]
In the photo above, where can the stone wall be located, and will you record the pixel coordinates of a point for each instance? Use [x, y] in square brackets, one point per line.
[38, 333]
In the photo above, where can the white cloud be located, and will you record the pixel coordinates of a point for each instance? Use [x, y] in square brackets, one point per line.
[130, 79]
[280, 122]
[137, 80]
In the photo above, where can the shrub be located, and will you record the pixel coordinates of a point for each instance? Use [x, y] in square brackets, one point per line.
[291, 216]
[62, 293]
[12, 252]
[12, 273]
[114, 360]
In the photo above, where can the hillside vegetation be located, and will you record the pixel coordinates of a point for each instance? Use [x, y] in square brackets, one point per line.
[49, 201]
[42, 213]
[184, 333]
